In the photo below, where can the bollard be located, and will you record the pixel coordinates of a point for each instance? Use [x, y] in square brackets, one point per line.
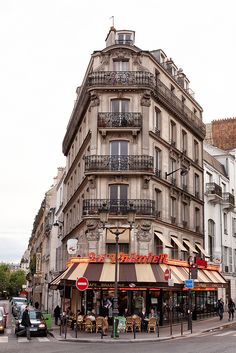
[65, 327]
[134, 329]
[60, 328]
[158, 331]
[181, 327]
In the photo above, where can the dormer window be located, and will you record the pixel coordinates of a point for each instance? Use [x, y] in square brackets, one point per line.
[126, 38]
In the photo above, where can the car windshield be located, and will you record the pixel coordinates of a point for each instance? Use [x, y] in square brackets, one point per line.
[35, 315]
[20, 300]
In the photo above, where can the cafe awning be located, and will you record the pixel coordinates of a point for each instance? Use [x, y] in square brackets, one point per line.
[163, 239]
[136, 273]
[191, 247]
[202, 250]
[178, 243]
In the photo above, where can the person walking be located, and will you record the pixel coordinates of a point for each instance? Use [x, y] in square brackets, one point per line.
[231, 308]
[57, 314]
[25, 321]
[220, 308]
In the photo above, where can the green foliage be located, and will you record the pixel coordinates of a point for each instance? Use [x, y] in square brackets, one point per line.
[11, 281]
[16, 280]
[32, 264]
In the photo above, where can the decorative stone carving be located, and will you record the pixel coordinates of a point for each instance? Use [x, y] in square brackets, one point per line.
[92, 232]
[146, 99]
[94, 99]
[121, 54]
[146, 180]
[143, 233]
[91, 180]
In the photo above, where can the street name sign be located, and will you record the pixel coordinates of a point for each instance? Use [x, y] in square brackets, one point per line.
[188, 284]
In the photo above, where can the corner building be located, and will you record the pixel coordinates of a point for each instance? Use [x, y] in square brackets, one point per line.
[135, 138]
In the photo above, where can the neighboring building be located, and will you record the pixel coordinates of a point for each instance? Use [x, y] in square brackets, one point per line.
[220, 215]
[222, 133]
[135, 140]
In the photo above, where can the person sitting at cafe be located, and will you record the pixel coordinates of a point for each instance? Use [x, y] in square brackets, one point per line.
[92, 315]
[126, 312]
[152, 314]
[143, 316]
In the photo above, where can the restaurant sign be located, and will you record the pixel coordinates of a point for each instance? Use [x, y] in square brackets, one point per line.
[132, 258]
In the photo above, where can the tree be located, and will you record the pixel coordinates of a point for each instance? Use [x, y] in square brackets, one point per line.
[4, 278]
[16, 280]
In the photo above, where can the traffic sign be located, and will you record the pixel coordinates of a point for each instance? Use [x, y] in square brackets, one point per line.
[166, 274]
[188, 284]
[82, 283]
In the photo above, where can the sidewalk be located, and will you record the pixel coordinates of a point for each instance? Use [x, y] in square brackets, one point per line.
[199, 327]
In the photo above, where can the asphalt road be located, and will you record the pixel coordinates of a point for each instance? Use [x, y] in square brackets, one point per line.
[211, 342]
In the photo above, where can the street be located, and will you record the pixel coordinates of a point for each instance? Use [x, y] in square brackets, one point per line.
[223, 340]
[214, 342]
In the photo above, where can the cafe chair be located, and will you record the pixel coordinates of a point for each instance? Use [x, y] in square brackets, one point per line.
[88, 326]
[80, 322]
[99, 324]
[129, 324]
[152, 324]
[137, 323]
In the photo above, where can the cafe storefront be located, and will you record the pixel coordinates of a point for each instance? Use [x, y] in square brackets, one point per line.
[142, 283]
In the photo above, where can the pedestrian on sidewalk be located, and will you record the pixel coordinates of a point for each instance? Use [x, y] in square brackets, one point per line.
[25, 321]
[57, 314]
[220, 308]
[231, 309]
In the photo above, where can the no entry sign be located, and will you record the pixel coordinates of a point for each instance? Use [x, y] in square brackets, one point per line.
[82, 283]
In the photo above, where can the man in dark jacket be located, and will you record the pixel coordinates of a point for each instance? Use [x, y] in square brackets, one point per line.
[25, 321]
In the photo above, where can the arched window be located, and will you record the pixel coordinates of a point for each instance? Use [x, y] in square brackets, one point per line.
[211, 236]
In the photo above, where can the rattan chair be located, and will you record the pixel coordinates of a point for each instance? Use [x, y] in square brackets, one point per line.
[137, 323]
[152, 324]
[129, 324]
[99, 324]
[88, 325]
[80, 322]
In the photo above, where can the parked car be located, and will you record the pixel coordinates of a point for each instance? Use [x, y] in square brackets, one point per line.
[2, 327]
[16, 302]
[3, 314]
[38, 325]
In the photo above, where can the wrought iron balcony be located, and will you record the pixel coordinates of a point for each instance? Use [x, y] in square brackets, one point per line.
[120, 120]
[118, 206]
[124, 41]
[147, 80]
[121, 78]
[118, 163]
[228, 200]
[214, 192]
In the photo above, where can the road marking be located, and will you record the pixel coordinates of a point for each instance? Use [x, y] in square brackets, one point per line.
[8, 331]
[4, 339]
[224, 333]
[43, 339]
[22, 340]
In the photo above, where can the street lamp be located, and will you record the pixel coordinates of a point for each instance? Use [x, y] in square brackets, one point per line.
[183, 172]
[190, 266]
[117, 231]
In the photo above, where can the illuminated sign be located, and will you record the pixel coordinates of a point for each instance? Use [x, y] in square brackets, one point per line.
[132, 258]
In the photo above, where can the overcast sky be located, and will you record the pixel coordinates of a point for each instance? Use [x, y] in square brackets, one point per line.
[45, 49]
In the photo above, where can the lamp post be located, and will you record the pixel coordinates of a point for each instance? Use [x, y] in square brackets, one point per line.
[184, 171]
[190, 264]
[117, 231]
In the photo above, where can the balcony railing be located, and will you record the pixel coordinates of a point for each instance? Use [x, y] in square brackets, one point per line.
[121, 78]
[119, 163]
[228, 198]
[116, 120]
[124, 41]
[214, 189]
[118, 206]
[146, 79]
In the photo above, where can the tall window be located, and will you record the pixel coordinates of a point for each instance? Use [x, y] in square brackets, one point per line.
[230, 260]
[173, 209]
[211, 237]
[185, 213]
[158, 202]
[184, 142]
[122, 248]
[197, 219]
[172, 133]
[225, 220]
[209, 177]
[119, 153]
[158, 162]
[196, 151]
[124, 38]
[119, 105]
[118, 198]
[196, 185]
[121, 65]
[159, 246]
[184, 181]
[225, 259]
[157, 121]
[174, 250]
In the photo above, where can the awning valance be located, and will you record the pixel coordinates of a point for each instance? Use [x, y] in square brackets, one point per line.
[202, 250]
[191, 247]
[178, 243]
[163, 239]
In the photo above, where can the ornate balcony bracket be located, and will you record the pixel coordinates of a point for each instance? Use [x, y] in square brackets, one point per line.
[143, 233]
[146, 99]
